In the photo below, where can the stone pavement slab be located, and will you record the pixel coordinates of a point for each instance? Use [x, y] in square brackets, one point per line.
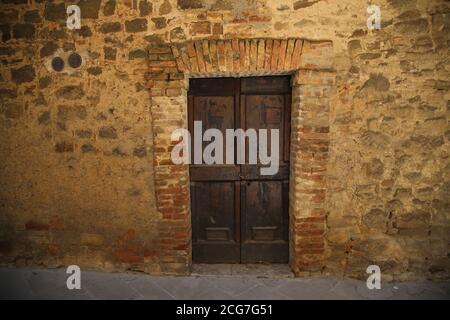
[244, 283]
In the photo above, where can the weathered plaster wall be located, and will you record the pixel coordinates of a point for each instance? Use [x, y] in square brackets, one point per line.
[76, 150]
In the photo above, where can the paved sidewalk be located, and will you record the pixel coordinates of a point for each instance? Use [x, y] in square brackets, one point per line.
[51, 284]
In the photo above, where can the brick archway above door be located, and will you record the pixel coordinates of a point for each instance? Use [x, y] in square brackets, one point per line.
[310, 64]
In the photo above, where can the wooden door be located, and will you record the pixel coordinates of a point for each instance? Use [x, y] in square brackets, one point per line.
[239, 215]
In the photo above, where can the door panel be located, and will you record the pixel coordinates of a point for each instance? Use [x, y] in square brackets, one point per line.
[239, 215]
[264, 202]
[214, 113]
[215, 237]
[265, 112]
[264, 225]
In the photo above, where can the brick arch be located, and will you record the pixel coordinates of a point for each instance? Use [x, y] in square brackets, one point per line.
[249, 56]
[310, 64]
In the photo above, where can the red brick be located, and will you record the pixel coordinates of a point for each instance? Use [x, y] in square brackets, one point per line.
[275, 54]
[296, 55]
[242, 54]
[162, 64]
[282, 55]
[36, 225]
[259, 18]
[268, 54]
[221, 55]
[253, 55]
[200, 27]
[206, 56]
[217, 29]
[236, 55]
[199, 53]
[228, 56]
[261, 54]
[289, 51]
[213, 55]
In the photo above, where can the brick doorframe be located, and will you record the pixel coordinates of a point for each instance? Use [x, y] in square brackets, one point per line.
[310, 64]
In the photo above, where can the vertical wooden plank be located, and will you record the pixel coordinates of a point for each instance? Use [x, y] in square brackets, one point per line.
[237, 113]
[191, 124]
[194, 217]
[243, 106]
[287, 127]
[237, 212]
[285, 213]
[242, 215]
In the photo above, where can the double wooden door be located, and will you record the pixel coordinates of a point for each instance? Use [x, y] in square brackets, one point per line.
[239, 215]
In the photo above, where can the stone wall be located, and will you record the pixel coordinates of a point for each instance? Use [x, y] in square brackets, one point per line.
[78, 154]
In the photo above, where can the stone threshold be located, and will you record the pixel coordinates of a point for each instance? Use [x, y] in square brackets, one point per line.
[269, 271]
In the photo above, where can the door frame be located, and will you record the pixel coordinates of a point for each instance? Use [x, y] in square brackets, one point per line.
[309, 63]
